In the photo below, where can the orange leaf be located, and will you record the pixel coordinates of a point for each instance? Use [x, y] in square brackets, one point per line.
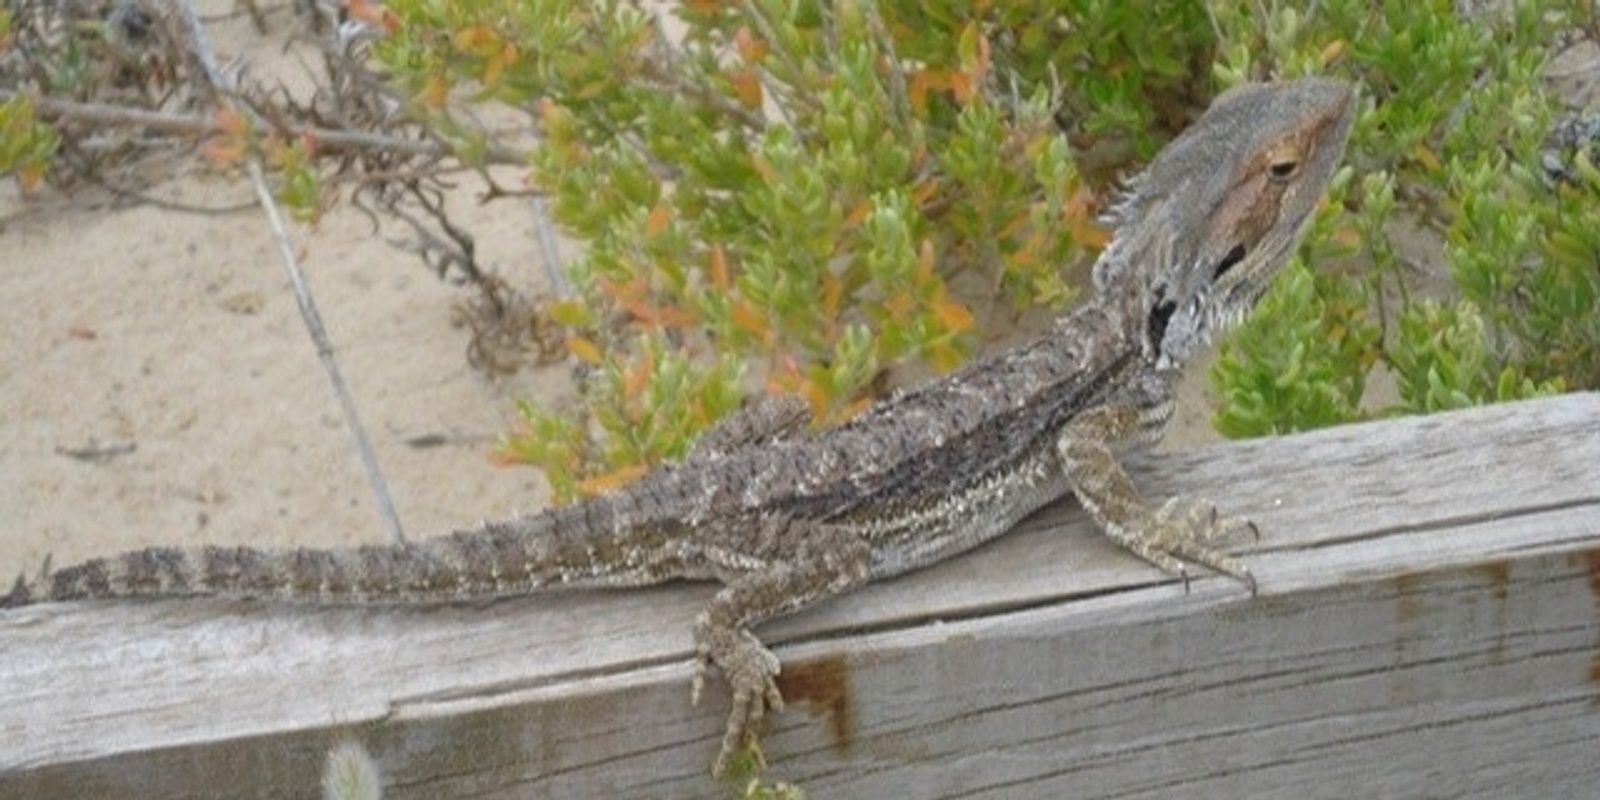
[923, 81]
[497, 63]
[612, 481]
[478, 40]
[365, 11]
[31, 176]
[832, 293]
[954, 317]
[231, 147]
[1091, 235]
[224, 153]
[855, 408]
[719, 268]
[748, 89]
[638, 377]
[652, 316]
[622, 292]
[750, 48]
[784, 377]
[816, 398]
[926, 260]
[899, 306]
[1334, 51]
[746, 318]
[1011, 228]
[1081, 218]
[230, 122]
[584, 350]
[660, 217]
[434, 92]
[858, 214]
[642, 312]
[961, 87]
[1024, 258]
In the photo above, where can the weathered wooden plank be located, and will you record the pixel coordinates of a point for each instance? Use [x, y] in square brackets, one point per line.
[1427, 625]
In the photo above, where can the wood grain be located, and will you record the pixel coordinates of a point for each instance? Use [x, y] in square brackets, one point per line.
[1427, 626]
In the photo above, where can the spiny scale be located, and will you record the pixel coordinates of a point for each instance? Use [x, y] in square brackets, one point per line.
[785, 521]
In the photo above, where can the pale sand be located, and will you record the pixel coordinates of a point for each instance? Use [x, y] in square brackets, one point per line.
[178, 335]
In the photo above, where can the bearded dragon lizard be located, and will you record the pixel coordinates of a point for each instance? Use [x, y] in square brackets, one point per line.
[786, 520]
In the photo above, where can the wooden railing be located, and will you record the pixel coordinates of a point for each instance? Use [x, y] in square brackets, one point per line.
[1428, 625]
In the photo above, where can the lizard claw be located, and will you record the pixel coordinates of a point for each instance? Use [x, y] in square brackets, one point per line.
[1182, 530]
[751, 671]
[1191, 524]
[698, 684]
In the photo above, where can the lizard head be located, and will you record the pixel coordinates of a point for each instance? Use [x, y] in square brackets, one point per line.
[1215, 216]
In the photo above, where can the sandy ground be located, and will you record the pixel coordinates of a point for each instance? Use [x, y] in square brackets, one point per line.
[158, 386]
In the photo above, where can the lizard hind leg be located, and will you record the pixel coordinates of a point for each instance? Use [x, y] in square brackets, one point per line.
[802, 567]
[752, 674]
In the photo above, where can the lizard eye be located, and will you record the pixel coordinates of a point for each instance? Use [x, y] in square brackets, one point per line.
[1283, 161]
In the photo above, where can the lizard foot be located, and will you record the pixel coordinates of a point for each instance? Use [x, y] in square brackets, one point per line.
[1182, 530]
[751, 671]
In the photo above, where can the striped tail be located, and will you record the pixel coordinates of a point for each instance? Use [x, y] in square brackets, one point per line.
[558, 548]
[494, 561]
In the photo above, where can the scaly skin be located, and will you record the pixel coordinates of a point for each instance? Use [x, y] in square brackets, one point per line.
[785, 520]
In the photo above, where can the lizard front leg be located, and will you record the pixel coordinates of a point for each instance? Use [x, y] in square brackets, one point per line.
[1180, 530]
[815, 561]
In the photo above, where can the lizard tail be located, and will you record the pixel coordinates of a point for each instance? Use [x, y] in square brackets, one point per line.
[493, 561]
